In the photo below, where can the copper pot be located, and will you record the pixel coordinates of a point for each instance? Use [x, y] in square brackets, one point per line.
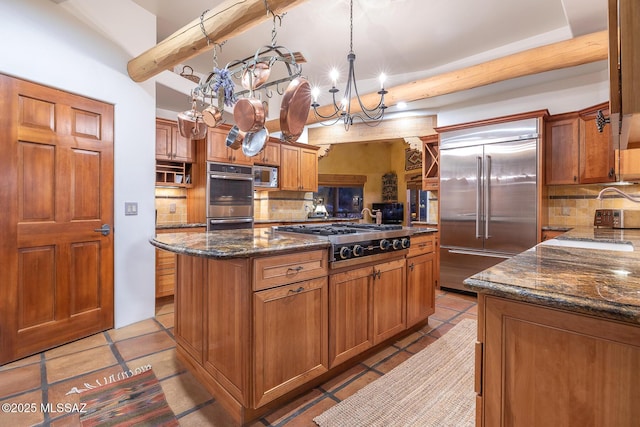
[248, 114]
[235, 138]
[255, 76]
[191, 125]
[212, 116]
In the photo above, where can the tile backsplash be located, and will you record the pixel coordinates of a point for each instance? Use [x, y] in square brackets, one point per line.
[282, 205]
[575, 205]
[171, 205]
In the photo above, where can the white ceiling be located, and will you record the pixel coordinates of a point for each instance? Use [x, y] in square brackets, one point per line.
[407, 39]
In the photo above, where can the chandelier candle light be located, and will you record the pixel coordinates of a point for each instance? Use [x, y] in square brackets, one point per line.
[370, 116]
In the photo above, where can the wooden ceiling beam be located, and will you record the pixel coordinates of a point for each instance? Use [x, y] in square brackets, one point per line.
[225, 21]
[569, 53]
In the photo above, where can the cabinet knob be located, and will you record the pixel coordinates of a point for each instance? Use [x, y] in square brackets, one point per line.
[575, 178]
[611, 173]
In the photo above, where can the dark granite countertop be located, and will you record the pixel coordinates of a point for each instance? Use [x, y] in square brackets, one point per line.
[604, 283]
[555, 228]
[177, 226]
[236, 243]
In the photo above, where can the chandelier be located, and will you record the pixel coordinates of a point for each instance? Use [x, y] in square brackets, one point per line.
[342, 109]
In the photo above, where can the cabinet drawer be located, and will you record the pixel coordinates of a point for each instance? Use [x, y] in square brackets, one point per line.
[421, 245]
[283, 269]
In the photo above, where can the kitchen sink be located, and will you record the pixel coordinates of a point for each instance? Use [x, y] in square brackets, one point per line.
[590, 244]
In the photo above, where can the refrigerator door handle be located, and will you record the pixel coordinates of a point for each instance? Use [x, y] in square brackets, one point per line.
[487, 199]
[478, 194]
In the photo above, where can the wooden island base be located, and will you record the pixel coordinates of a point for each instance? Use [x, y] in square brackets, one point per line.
[258, 331]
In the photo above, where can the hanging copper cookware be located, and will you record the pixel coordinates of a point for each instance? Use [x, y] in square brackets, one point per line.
[294, 109]
[191, 124]
[255, 76]
[235, 137]
[248, 114]
[254, 142]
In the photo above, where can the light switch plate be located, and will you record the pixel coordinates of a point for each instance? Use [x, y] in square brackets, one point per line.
[131, 208]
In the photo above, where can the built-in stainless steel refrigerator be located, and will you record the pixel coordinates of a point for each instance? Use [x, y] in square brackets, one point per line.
[488, 197]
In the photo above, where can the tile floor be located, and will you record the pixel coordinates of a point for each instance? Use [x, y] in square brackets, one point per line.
[46, 378]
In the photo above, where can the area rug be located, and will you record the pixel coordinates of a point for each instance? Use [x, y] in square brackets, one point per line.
[435, 387]
[134, 401]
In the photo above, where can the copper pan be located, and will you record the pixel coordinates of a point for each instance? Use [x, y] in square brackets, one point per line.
[235, 138]
[248, 114]
[294, 109]
[255, 76]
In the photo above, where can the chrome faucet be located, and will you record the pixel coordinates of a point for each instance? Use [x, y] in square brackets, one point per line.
[622, 193]
[377, 214]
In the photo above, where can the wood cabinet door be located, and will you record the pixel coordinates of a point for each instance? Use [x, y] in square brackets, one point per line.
[290, 337]
[388, 299]
[628, 164]
[548, 367]
[164, 132]
[421, 292]
[350, 324]
[596, 150]
[217, 145]
[57, 271]
[289, 168]
[270, 156]
[308, 169]
[561, 151]
[182, 147]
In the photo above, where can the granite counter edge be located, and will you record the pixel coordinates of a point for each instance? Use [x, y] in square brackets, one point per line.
[602, 309]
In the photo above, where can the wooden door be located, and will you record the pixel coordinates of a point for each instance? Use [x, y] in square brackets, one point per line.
[182, 147]
[561, 150]
[349, 319]
[289, 167]
[388, 300]
[596, 149]
[57, 174]
[290, 333]
[420, 288]
[548, 367]
[308, 169]
[217, 145]
[164, 133]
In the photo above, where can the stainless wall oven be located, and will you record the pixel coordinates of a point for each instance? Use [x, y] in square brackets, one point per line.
[229, 196]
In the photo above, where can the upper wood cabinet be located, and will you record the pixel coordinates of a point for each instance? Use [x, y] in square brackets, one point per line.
[217, 150]
[170, 145]
[298, 167]
[624, 72]
[628, 164]
[430, 162]
[575, 152]
[270, 155]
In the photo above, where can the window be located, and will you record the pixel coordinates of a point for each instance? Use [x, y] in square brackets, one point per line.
[342, 195]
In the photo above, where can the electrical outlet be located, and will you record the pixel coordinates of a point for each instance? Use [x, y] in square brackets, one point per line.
[566, 211]
[131, 208]
[172, 208]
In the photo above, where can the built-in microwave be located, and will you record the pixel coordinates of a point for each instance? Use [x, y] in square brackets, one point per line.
[265, 177]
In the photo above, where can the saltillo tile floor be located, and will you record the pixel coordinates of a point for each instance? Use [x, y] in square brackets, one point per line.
[48, 377]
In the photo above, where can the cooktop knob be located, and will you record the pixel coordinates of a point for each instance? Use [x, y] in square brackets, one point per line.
[397, 244]
[358, 250]
[384, 244]
[405, 243]
[345, 252]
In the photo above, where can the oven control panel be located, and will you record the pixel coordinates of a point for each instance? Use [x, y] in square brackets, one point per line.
[363, 249]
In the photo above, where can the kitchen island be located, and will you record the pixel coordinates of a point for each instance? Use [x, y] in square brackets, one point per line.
[559, 333]
[263, 315]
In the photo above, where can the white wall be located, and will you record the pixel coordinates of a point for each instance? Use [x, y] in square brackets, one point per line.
[43, 42]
